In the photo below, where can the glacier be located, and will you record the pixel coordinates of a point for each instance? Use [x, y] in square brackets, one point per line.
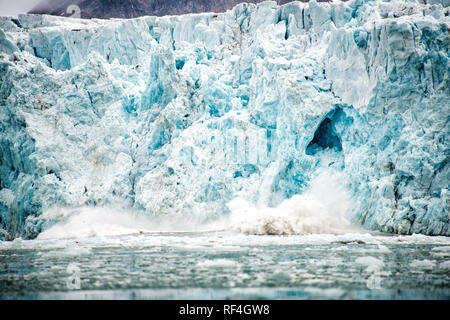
[206, 115]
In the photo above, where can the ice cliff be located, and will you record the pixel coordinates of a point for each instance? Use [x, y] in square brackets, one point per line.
[180, 115]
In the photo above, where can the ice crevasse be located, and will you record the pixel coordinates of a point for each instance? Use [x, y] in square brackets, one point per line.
[200, 115]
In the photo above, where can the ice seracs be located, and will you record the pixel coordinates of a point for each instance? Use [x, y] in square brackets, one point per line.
[179, 115]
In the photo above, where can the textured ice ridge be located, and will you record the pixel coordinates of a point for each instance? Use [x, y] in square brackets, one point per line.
[182, 114]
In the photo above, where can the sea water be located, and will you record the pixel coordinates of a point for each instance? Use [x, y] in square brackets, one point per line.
[224, 264]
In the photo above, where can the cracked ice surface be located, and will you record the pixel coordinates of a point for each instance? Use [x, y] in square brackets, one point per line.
[179, 115]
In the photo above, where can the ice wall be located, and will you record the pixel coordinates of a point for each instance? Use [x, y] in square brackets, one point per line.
[179, 115]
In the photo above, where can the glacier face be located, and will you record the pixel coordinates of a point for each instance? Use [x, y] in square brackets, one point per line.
[180, 115]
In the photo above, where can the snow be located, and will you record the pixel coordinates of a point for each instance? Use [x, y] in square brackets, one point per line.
[179, 115]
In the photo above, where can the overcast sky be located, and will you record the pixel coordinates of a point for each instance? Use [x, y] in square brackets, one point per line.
[13, 7]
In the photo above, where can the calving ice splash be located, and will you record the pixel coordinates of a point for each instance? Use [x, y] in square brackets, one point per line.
[324, 208]
[266, 119]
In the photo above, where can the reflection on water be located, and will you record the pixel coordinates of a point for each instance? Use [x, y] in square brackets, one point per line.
[223, 265]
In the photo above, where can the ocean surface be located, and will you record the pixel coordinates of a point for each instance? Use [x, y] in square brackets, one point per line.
[227, 265]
